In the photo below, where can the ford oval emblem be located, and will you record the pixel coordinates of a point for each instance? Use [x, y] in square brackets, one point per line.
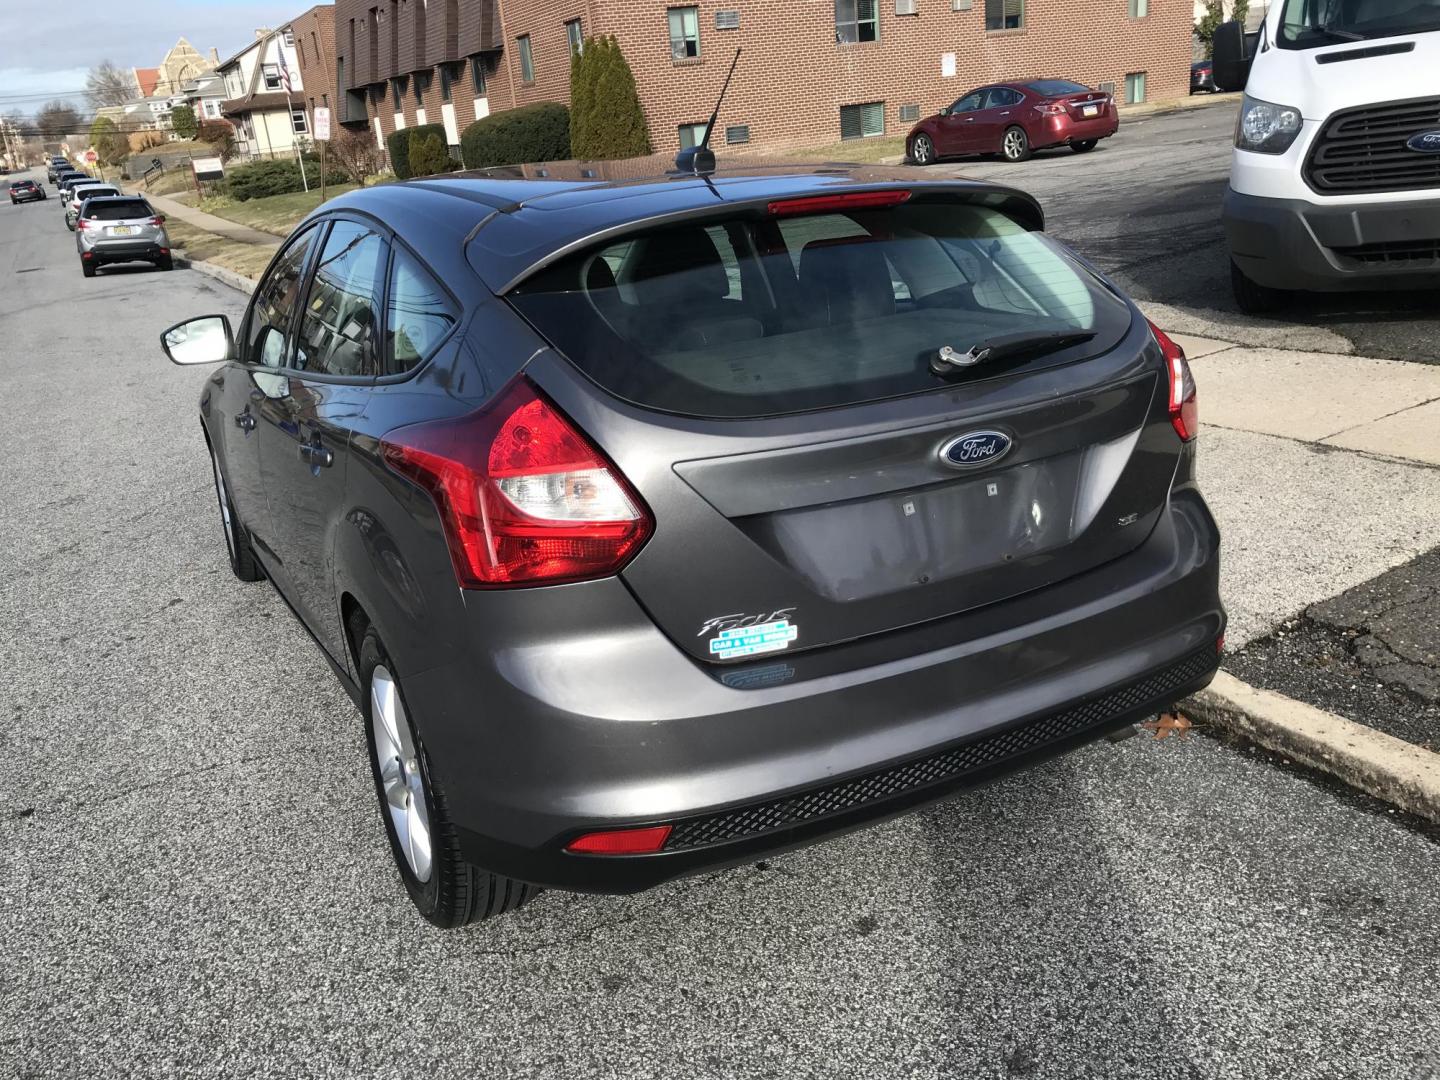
[1427, 142]
[975, 448]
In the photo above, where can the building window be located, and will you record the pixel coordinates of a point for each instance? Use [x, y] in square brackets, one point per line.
[272, 76]
[298, 123]
[737, 133]
[212, 109]
[421, 81]
[397, 93]
[691, 135]
[477, 74]
[290, 37]
[444, 82]
[1139, 8]
[684, 33]
[575, 37]
[1135, 88]
[527, 59]
[862, 121]
[1004, 14]
[856, 20]
[301, 48]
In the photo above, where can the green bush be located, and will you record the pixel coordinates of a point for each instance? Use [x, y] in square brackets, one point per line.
[182, 119]
[606, 121]
[428, 156]
[262, 178]
[399, 142]
[539, 132]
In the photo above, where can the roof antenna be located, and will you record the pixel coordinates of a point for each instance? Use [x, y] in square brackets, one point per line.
[701, 159]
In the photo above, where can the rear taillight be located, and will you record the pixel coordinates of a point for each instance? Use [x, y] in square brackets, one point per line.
[1184, 408]
[524, 497]
[81, 224]
[1050, 109]
[157, 222]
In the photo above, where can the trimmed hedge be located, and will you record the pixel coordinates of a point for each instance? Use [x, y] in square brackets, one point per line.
[429, 155]
[262, 178]
[399, 144]
[539, 132]
[606, 120]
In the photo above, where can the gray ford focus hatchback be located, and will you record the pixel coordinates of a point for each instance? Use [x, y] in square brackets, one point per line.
[657, 522]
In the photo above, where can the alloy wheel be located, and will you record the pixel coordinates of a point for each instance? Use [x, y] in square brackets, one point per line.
[922, 151]
[401, 773]
[1014, 143]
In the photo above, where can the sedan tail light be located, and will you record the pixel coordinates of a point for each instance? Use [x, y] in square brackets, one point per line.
[524, 497]
[1183, 400]
[1050, 109]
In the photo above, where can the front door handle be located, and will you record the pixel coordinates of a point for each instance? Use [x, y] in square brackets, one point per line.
[317, 456]
[245, 422]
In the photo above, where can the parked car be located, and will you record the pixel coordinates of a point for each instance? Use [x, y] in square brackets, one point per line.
[69, 180]
[120, 229]
[52, 166]
[69, 172]
[656, 525]
[1202, 76]
[25, 191]
[80, 192]
[1014, 120]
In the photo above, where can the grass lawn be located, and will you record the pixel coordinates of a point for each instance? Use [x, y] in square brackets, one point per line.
[193, 243]
[278, 214]
[862, 151]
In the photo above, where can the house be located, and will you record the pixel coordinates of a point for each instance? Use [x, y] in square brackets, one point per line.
[269, 118]
[847, 69]
[206, 95]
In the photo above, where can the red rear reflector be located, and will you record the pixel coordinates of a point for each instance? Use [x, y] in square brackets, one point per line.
[1184, 407]
[852, 200]
[621, 841]
[524, 497]
[1219, 644]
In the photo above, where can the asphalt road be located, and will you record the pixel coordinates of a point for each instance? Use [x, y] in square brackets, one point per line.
[1145, 206]
[195, 882]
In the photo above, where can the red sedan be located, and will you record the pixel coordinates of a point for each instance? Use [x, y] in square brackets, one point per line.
[1015, 119]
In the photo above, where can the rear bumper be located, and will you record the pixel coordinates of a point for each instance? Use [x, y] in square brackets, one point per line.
[542, 741]
[1295, 244]
[28, 196]
[110, 251]
[1060, 130]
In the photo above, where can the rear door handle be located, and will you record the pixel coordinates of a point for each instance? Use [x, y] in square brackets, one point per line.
[316, 455]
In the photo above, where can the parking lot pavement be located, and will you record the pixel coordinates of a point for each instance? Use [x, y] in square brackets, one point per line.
[195, 882]
[1145, 207]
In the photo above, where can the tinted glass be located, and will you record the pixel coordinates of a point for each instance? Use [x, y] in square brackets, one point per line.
[340, 332]
[834, 309]
[274, 304]
[118, 210]
[969, 103]
[1056, 87]
[417, 316]
[1305, 24]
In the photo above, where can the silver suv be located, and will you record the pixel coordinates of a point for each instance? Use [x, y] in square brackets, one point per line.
[123, 228]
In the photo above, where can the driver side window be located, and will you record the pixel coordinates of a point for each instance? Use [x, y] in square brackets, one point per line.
[270, 316]
[969, 103]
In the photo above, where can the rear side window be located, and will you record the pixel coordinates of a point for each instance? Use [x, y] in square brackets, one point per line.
[765, 316]
[340, 333]
[119, 210]
[417, 316]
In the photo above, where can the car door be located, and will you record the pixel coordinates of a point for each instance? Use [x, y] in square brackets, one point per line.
[239, 388]
[995, 115]
[955, 130]
[305, 426]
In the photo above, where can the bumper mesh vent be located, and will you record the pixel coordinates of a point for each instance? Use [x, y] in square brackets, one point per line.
[980, 754]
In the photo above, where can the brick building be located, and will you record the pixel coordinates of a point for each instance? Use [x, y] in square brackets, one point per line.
[314, 36]
[812, 72]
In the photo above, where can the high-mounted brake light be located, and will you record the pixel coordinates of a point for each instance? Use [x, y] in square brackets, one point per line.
[1183, 403]
[644, 841]
[524, 497]
[850, 200]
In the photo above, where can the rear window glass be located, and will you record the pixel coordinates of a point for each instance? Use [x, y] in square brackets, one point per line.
[1056, 87]
[93, 192]
[764, 316]
[119, 210]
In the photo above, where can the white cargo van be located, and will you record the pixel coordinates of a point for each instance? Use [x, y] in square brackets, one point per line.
[1335, 175]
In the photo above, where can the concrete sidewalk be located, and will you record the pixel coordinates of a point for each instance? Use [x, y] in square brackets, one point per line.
[211, 223]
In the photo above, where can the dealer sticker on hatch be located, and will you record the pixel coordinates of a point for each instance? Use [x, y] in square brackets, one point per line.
[738, 636]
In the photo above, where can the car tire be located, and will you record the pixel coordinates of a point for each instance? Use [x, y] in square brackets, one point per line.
[922, 150]
[87, 268]
[243, 562]
[1015, 145]
[445, 889]
[1253, 298]
[1084, 146]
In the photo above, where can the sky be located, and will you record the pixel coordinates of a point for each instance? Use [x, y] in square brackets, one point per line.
[45, 52]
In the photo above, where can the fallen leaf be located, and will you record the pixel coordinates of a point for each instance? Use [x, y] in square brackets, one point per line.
[1168, 723]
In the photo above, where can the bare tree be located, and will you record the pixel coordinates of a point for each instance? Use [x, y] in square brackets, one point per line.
[108, 85]
[58, 119]
[356, 152]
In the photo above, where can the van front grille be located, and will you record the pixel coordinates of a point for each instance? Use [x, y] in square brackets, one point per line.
[1366, 149]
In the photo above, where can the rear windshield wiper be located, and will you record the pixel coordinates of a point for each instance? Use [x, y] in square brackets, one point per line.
[947, 361]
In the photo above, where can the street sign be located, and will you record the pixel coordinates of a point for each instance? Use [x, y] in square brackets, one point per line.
[322, 124]
[208, 168]
[91, 157]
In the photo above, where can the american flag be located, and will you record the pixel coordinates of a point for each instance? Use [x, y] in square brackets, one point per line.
[284, 70]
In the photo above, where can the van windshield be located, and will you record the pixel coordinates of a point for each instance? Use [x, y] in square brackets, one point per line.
[1308, 24]
[761, 316]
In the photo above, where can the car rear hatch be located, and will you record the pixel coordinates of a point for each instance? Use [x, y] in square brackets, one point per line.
[1089, 105]
[121, 223]
[770, 381]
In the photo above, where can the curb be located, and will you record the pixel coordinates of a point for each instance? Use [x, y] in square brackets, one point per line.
[1381, 765]
[229, 277]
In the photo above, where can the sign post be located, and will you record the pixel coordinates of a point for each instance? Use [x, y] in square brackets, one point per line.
[322, 136]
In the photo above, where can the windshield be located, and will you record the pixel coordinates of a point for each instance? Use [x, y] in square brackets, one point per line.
[1308, 24]
[765, 316]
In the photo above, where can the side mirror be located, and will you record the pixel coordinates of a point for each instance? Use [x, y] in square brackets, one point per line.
[1232, 65]
[206, 340]
[945, 110]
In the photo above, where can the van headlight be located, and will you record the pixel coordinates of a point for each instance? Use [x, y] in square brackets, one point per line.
[1266, 128]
